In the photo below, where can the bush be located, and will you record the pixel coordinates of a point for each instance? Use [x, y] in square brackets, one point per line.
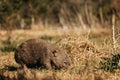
[8, 46]
[110, 64]
[46, 37]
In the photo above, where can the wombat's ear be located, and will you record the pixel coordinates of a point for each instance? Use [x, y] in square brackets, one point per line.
[54, 53]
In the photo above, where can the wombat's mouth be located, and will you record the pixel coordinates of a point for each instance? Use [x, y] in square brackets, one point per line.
[56, 66]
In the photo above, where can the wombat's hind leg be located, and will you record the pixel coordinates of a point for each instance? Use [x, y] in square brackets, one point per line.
[22, 66]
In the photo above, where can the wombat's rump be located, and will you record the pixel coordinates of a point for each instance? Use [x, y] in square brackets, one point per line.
[39, 53]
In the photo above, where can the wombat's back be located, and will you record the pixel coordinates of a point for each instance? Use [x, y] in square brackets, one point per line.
[31, 51]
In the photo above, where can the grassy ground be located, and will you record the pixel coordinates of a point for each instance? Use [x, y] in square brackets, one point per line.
[86, 49]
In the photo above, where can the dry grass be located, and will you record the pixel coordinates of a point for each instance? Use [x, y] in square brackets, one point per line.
[84, 47]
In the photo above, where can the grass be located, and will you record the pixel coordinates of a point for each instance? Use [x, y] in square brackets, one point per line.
[86, 49]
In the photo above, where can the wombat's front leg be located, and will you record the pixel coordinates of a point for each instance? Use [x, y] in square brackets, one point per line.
[47, 64]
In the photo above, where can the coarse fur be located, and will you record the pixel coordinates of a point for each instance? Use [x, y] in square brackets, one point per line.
[39, 53]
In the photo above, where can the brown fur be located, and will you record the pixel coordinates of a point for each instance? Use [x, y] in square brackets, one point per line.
[39, 53]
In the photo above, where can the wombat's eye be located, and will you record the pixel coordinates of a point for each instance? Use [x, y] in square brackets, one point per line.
[54, 53]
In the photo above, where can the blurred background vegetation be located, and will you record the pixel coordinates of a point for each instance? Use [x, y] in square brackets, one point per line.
[22, 14]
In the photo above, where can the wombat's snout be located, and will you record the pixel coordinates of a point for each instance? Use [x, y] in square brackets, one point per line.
[66, 64]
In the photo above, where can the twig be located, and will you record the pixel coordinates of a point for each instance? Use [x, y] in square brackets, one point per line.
[113, 33]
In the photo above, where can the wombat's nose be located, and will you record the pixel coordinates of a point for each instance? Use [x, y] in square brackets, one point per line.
[66, 63]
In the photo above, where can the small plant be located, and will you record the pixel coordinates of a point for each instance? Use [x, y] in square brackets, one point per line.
[46, 37]
[110, 64]
[8, 46]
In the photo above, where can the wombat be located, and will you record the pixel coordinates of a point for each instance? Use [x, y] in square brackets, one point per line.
[40, 53]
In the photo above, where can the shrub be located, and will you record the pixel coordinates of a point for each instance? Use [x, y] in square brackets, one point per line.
[46, 37]
[8, 46]
[110, 64]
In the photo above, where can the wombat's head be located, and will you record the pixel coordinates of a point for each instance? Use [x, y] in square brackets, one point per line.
[60, 59]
